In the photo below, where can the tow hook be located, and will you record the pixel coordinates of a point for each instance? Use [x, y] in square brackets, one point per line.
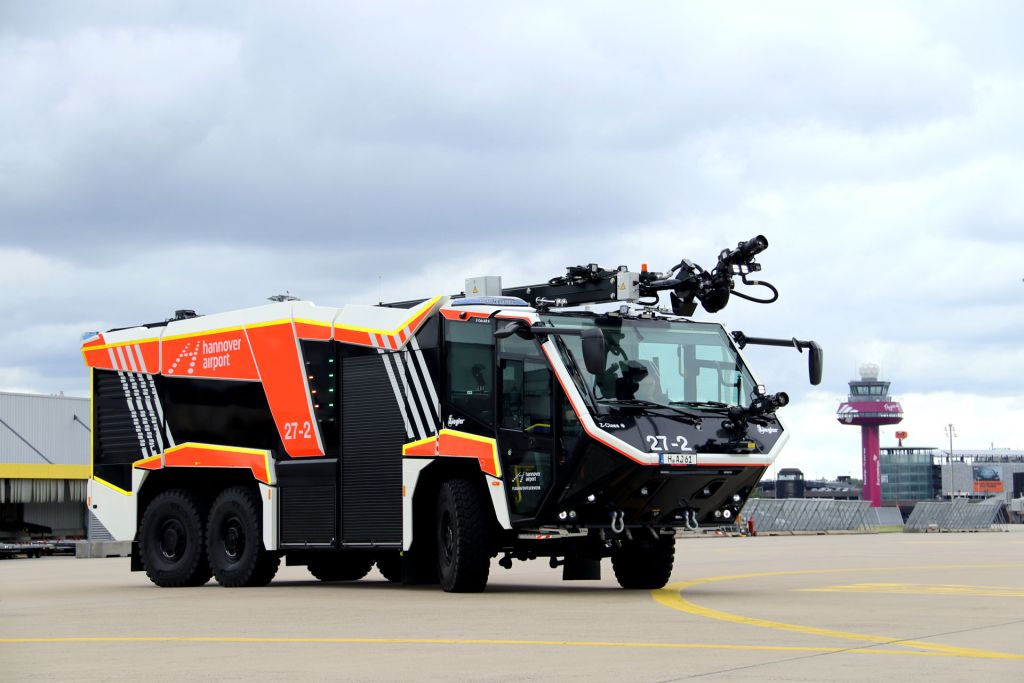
[690, 517]
[618, 521]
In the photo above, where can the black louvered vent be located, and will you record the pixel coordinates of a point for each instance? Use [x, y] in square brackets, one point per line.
[116, 442]
[371, 462]
[308, 516]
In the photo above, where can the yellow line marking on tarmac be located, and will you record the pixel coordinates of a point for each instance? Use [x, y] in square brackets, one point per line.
[459, 641]
[921, 589]
[672, 596]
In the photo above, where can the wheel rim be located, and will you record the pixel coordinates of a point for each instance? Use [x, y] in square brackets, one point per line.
[447, 538]
[173, 539]
[233, 533]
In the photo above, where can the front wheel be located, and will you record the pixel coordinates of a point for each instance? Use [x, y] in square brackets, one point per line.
[463, 557]
[171, 541]
[645, 564]
[234, 541]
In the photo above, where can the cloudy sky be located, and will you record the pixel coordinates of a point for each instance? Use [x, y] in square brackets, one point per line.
[166, 155]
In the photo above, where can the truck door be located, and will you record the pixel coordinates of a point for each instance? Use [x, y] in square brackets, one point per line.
[526, 425]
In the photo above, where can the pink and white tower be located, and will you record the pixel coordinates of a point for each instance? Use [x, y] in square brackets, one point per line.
[868, 407]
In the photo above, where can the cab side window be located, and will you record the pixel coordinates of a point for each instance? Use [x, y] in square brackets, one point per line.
[469, 350]
[525, 387]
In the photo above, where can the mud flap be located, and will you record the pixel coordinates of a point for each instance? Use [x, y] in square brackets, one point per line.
[581, 569]
[137, 558]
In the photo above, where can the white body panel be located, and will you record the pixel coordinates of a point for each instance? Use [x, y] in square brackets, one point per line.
[499, 500]
[411, 468]
[269, 496]
[115, 509]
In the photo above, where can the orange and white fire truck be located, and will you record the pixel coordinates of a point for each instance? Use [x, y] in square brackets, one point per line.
[575, 420]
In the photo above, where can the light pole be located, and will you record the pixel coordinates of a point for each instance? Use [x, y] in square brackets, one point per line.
[951, 432]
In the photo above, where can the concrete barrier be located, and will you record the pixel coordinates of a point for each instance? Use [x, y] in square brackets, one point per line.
[89, 549]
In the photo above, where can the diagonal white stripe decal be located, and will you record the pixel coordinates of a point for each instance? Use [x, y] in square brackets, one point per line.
[397, 392]
[426, 373]
[400, 368]
[431, 419]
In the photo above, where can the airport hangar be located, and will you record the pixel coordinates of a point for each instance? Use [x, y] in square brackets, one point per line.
[44, 465]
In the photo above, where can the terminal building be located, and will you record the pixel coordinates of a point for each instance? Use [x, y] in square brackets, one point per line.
[913, 474]
[44, 466]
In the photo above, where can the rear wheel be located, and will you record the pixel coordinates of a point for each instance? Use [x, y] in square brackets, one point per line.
[390, 567]
[644, 564]
[234, 541]
[346, 567]
[463, 558]
[171, 541]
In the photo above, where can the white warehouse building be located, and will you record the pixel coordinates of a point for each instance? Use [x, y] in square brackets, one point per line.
[44, 465]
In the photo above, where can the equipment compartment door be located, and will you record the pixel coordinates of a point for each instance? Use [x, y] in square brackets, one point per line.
[372, 435]
[526, 425]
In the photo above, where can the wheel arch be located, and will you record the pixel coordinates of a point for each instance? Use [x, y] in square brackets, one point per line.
[203, 483]
[424, 499]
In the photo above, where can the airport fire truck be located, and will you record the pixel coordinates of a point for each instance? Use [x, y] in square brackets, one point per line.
[578, 419]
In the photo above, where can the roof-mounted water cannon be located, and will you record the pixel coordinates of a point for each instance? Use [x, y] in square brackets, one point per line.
[686, 282]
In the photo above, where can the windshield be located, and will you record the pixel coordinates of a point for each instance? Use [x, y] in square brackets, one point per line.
[659, 361]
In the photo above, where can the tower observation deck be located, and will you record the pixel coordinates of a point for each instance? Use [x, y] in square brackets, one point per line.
[869, 406]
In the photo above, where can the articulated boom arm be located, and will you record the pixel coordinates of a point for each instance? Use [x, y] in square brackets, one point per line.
[686, 281]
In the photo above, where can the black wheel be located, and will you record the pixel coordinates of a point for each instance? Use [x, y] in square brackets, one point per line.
[347, 567]
[266, 569]
[390, 567]
[234, 542]
[645, 564]
[171, 541]
[463, 557]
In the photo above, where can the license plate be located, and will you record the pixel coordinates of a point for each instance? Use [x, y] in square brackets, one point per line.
[678, 459]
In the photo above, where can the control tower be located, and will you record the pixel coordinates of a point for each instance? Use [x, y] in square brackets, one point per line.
[868, 407]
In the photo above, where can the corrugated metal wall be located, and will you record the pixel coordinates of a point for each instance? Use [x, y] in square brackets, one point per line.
[43, 491]
[36, 426]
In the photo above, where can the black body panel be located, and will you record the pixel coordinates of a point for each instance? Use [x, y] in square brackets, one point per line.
[126, 425]
[308, 498]
[373, 433]
[220, 412]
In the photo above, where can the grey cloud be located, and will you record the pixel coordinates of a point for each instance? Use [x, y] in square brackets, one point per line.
[181, 154]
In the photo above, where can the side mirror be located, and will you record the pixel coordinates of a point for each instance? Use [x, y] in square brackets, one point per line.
[508, 330]
[815, 362]
[595, 353]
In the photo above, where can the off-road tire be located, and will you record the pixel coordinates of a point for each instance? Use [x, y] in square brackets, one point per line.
[645, 564]
[266, 569]
[463, 556]
[172, 541]
[234, 540]
[349, 567]
[390, 567]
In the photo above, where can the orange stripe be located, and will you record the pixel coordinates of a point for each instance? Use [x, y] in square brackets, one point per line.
[196, 455]
[310, 331]
[450, 314]
[284, 379]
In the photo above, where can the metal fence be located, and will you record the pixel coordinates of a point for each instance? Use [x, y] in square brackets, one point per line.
[809, 514]
[890, 516]
[956, 515]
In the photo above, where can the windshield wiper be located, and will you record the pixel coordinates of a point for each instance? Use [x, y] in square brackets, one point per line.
[712, 406]
[640, 403]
